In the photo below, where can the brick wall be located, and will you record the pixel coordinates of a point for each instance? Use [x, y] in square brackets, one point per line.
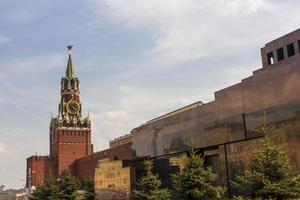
[39, 168]
[85, 167]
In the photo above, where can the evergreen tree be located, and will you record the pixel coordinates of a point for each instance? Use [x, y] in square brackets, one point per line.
[89, 189]
[47, 191]
[68, 187]
[195, 182]
[270, 175]
[149, 186]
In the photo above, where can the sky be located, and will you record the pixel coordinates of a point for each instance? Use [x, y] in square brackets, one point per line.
[136, 60]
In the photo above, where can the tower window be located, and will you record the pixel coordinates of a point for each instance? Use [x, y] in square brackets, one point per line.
[280, 54]
[299, 45]
[290, 49]
[270, 58]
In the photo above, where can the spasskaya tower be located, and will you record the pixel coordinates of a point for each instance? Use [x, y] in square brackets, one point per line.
[70, 133]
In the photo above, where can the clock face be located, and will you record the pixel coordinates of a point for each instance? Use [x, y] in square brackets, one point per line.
[73, 107]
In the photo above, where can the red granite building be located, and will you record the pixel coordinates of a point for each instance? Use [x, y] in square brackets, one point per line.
[223, 129]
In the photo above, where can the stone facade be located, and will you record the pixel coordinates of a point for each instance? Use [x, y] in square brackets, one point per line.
[233, 113]
[113, 180]
[125, 139]
[178, 161]
[223, 128]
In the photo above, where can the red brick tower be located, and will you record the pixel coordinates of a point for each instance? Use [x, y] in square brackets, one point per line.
[70, 133]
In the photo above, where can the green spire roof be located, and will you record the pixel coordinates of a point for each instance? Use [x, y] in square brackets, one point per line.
[70, 73]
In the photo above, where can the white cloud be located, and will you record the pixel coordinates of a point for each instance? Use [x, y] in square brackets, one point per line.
[116, 115]
[32, 64]
[108, 121]
[108, 125]
[4, 151]
[184, 29]
[28, 101]
[191, 29]
[137, 105]
[185, 101]
[138, 99]
[233, 6]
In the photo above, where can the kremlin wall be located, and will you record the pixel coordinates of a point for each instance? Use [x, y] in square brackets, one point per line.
[222, 129]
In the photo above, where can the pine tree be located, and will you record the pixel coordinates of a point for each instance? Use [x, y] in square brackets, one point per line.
[196, 181]
[47, 191]
[68, 187]
[89, 189]
[270, 175]
[149, 186]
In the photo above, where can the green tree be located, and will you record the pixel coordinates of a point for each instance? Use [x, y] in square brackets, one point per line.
[68, 187]
[47, 191]
[88, 186]
[270, 175]
[149, 186]
[196, 181]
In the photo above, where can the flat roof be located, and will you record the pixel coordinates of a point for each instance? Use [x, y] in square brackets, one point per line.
[175, 112]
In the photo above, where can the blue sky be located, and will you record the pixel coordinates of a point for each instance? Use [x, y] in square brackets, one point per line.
[136, 59]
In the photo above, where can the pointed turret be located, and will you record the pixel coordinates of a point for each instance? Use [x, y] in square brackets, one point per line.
[69, 127]
[70, 73]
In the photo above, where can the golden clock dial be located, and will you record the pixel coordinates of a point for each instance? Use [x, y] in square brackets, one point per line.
[73, 107]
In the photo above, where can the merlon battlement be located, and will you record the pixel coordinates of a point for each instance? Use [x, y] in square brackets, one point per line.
[39, 158]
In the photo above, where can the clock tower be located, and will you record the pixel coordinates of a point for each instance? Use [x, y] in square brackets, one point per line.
[70, 132]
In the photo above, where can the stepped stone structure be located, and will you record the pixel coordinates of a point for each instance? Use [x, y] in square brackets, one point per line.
[113, 179]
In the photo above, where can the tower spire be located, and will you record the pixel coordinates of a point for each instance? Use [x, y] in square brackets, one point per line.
[70, 73]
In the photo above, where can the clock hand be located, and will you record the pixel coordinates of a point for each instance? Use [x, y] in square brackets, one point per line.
[74, 106]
